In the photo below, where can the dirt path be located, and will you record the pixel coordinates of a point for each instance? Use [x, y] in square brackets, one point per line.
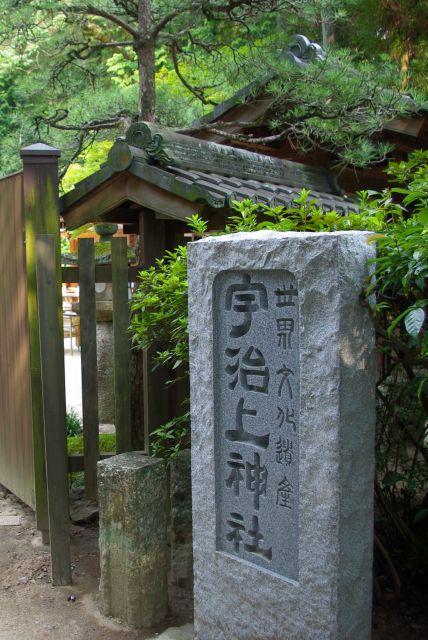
[30, 608]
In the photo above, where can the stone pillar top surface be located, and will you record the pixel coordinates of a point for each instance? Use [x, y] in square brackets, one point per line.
[131, 460]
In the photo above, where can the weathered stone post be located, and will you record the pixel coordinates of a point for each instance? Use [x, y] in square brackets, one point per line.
[283, 415]
[132, 499]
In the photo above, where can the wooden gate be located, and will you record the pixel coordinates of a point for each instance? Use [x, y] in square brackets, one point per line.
[34, 464]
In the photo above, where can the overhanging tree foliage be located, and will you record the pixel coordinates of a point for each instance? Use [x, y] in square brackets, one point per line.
[86, 70]
[68, 47]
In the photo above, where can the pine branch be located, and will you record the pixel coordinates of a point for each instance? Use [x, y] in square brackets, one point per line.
[196, 91]
[169, 18]
[90, 126]
[111, 17]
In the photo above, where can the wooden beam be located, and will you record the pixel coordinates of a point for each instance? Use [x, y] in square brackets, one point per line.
[88, 338]
[122, 383]
[76, 461]
[122, 215]
[131, 228]
[53, 399]
[102, 199]
[125, 188]
[103, 273]
[408, 126]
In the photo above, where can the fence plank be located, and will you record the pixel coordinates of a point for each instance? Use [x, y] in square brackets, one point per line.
[76, 461]
[102, 273]
[88, 341]
[122, 383]
[53, 394]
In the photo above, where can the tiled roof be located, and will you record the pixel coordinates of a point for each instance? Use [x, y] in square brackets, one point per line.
[173, 163]
[227, 189]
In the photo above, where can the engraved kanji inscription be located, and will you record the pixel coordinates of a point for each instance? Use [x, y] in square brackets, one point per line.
[285, 373]
[255, 544]
[257, 476]
[257, 537]
[246, 298]
[285, 328]
[254, 473]
[235, 522]
[239, 434]
[251, 370]
[286, 417]
[286, 297]
[235, 476]
[284, 493]
[256, 418]
[284, 451]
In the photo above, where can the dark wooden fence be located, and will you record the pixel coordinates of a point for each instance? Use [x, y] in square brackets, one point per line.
[34, 463]
[87, 273]
[58, 463]
[16, 439]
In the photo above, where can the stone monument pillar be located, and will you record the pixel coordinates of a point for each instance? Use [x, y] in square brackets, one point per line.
[283, 416]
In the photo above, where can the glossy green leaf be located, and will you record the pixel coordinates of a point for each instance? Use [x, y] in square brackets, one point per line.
[414, 321]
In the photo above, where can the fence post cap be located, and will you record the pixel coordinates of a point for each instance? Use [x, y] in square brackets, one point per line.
[40, 149]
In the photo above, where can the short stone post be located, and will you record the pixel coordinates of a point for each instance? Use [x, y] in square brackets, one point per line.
[132, 499]
[283, 413]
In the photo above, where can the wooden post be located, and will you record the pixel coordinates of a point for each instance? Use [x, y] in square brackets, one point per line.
[53, 401]
[41, 213]
[88, 338]
[155, 393]
[122, 382]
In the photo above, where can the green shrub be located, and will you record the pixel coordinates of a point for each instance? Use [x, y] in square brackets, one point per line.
[400, 282]
[107, 443]
[73, 422]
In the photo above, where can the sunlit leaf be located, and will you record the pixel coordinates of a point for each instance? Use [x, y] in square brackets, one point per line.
[423, 216]
[414, 321]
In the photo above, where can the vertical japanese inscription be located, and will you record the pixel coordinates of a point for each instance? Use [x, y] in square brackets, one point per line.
[257, 405]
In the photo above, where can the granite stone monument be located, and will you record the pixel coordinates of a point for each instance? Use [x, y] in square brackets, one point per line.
[283, 415]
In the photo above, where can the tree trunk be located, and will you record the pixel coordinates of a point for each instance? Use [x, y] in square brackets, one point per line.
[405, 61]
[145, 50]
[328, 31]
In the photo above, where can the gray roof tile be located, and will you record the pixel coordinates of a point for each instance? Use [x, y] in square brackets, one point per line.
[232, 188]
